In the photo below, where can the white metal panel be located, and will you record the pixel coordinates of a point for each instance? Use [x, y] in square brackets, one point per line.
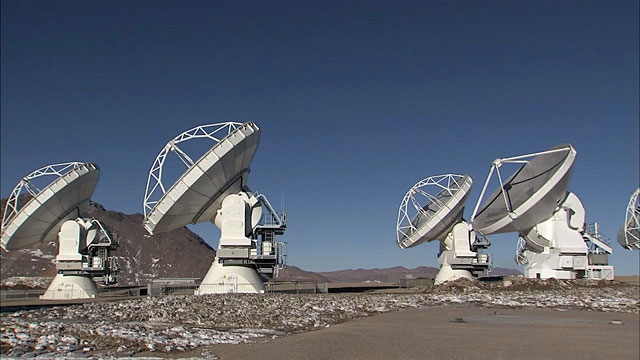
[251, 144]
[237, 139]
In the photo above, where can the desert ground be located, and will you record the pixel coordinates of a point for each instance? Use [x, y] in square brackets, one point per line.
[513, 318]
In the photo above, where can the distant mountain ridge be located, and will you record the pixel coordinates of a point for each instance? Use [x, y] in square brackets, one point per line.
[392, 274]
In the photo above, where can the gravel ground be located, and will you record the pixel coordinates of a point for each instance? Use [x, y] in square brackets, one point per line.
[175, 324]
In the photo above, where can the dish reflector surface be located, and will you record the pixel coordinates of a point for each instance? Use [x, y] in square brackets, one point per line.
[629, 235]
[63, 199]
[198, 193]
[530, 195]
[431, 208]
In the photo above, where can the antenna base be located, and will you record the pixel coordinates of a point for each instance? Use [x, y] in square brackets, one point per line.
[447, 273]
[64, 287]
[559, 247]
[461, 255]
[221, 279]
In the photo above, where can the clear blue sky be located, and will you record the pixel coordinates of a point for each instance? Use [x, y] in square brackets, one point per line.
[357, 101]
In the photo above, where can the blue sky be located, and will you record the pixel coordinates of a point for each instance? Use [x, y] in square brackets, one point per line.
[357, 101]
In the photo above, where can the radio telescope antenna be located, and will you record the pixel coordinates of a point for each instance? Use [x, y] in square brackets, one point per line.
[535, 202]
[214, 189]
[58, 211]
[629, 235]
[432, 210]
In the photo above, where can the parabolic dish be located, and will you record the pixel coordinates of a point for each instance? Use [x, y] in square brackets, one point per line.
[431, 208]
[63, 199]
[629, 235]
[198, 193]
[533, 192]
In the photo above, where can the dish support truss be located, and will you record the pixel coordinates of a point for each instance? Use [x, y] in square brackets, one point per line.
[155, 187]
[461, 249]
[58, 170]
[629, 236]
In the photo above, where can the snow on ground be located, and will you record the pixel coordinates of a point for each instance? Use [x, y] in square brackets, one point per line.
[27, 282]
[183, 323]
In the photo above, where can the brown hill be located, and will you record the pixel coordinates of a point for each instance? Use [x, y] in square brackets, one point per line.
[294, 273]
[141, 257]
[392, 274]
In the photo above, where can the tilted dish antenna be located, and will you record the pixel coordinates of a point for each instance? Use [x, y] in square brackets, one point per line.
[527, 197]
[57, 211]
[197, 194]
[629, 235]
[40, 218]
[432, 210]
[535, 202]
[214, 189]
[424, 217]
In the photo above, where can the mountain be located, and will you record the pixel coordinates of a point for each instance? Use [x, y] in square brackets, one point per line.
[179, 253]
[294, 273]
[392, 274]
[141, 257]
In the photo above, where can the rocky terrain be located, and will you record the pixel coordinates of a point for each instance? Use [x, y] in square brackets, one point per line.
[159, 325]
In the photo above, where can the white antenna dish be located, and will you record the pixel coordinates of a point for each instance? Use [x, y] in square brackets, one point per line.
[63, 199]
[425, 217]
[629, 235]
[198, 193]
[535, 202]
[432, 210]
[84, 245]
[530, 195]
[214, 188]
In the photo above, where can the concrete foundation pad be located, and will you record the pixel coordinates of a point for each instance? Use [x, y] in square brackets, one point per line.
[460, 333]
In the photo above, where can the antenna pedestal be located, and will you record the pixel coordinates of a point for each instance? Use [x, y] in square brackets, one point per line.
[247, 246]
[559, 247]
[83, 254]
[221, 279]
[447, 273]
[71, 287]
[460, 257]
